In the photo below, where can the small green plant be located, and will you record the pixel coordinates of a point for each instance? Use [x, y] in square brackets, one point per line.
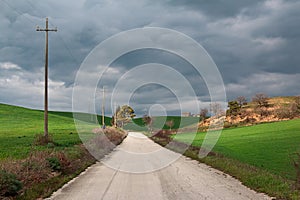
[54, 163]
[9, 184]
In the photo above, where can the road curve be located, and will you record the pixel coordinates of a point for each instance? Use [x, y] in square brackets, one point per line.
[182, 179]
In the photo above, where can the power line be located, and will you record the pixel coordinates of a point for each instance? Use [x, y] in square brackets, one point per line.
[59, 36]
[33, 22]
[17, 11]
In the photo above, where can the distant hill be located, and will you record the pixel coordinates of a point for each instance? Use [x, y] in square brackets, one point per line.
[271, 110]
[11, 113]
[18, 127]
[159, 122]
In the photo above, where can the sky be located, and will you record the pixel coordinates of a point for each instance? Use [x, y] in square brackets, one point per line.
[255, 45]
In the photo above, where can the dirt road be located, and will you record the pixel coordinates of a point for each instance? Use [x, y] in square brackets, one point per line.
[182, 179]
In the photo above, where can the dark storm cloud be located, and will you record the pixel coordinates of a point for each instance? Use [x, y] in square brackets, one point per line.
[139, 57]
[253, 43]
[215, 8]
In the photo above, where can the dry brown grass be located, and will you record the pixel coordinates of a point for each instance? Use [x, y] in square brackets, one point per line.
[41, 139]
[42, 171]
[35, 169]
[114, 135]
[104, 141]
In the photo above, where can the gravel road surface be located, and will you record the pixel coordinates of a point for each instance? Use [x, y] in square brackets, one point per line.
[182, 179]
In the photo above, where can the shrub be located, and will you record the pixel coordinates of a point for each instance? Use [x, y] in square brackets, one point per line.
[115, 135]
[262, 111]
[169, 124]
[202, 128]
[261, 100]
[105, 140]
[248, 120]
[297, 102]
[234, 108]
[227, 124]
[296, 163]
[294, 109]
[9, 184]
[283, 113]
[287, 111]
[34, 169]
[54, 163]
[163, 134]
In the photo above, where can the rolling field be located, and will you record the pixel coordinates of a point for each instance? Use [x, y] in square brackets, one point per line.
[18, 127]
[269, 146]
[31, 164]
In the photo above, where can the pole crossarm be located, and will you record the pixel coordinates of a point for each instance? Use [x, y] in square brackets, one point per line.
[46, 29]
[43, 29]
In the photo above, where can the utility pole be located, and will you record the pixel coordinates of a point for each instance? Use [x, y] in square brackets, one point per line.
[115, 117]
[46, 77]
[103, 108]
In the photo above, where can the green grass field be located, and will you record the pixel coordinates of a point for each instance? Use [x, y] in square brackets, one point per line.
[269, 146]
[20, 155]
[159, 123]
[18, 127]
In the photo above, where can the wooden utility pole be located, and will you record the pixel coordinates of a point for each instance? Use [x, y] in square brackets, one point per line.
[46, 77]
[103, 108]
[115, 117]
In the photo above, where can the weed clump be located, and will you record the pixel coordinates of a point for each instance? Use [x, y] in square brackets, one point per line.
[9, 184]
[296, 163]
[41, 139]
[54, 163]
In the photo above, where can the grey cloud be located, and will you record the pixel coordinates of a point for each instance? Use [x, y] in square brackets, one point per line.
[248, 40]
[272, 84]
[25, 88]
[216, 8]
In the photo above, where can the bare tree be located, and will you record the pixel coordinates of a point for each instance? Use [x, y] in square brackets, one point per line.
[260, 99]
[216, 108]
[203, 113]
[241, 100]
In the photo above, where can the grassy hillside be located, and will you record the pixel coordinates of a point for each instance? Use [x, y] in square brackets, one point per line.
[260, 111]
[18, 127]
[30, 171]
[269, 146]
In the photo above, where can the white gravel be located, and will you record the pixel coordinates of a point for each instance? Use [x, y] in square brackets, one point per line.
[182, 179]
